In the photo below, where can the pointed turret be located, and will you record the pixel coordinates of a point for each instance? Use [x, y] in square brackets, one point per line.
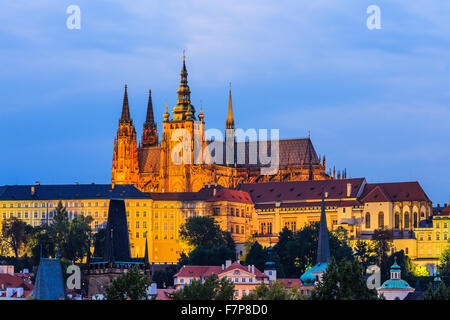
[230, 120]
[323, 248]
[149, 133]
[184, 109]
[146, 260]
[125, 108]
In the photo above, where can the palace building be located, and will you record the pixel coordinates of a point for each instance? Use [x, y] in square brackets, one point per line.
[150, 165]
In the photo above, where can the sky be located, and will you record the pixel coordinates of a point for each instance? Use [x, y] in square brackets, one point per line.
[375, 102]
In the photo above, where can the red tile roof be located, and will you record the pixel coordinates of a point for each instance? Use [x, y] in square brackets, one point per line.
[9, 281]
[288, 283]
[198, 271]
[231, 195]
[397, 191]
[204, 271]
[163, 294]
[445, 211]
[205, 194]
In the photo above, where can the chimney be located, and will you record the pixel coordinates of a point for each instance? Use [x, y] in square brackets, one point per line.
[223, 267]
[349, 189]
[37, 183]
[253, 269]
[33, 190]
[227, 263]
[249, 267]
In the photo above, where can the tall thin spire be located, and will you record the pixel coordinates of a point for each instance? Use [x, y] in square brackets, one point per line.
[125, 108]
[149, 133]
[230, 120]
[323, 248]
[150, 118]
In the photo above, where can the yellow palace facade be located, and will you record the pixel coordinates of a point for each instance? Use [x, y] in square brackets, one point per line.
[155, 218]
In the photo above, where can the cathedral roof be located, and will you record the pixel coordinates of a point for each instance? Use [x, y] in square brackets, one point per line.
[69, 192]
[149, 159]
[299, 151]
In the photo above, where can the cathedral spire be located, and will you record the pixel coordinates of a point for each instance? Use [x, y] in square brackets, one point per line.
[150, 118]
[184, 105]
[125, 108]
[323, 248]
[149, 134]
[230, 120]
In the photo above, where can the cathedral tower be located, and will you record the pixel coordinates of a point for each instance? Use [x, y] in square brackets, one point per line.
[182, 140]
[149, 134]
[125, 168]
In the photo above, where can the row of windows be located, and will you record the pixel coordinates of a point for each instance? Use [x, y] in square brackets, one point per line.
[397, 220]
[235, 229]
[438, 237]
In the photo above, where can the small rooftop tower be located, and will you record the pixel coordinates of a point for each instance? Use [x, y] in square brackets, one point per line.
[269, 267]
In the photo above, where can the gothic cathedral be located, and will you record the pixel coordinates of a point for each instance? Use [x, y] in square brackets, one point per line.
[151, 167]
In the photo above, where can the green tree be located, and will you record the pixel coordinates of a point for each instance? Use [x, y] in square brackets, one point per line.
[164, 278]
[204, 231]
[129, 285]
[256, 255]
[365, 254]
[42, 241]
[444, 262]
[13, 234]
[208, 256]
[441, 292]
[77, 239]
[259, 293]
[210, 289]
[382, 239]
[343, 281]
[276, 291]
[99, 242]
[298, 251]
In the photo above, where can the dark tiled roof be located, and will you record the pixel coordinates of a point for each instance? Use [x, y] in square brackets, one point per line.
[291, 152]
[70, 192]
[149, 158]
[301, 190]
[396, 191]
[49, 281]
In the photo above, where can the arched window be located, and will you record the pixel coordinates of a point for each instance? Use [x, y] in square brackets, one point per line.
[415, 221]
[380, 220]
[367, 220]
[397, 221]
[406, 220]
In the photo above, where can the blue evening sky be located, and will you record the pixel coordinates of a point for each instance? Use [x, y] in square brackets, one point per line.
[376, 101]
